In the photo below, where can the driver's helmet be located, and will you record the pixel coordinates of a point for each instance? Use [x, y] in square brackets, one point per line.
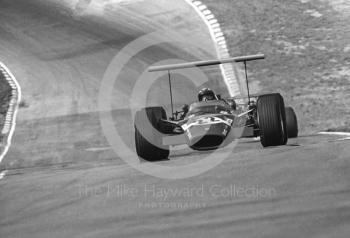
[206, 94]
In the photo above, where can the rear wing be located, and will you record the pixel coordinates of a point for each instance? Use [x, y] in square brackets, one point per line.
[205, 63]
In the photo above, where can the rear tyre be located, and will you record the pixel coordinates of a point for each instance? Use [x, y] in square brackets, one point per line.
[292, 123]
[272, 120]
[148, 137]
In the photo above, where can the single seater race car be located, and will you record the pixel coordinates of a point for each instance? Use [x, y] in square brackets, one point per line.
[208, 125]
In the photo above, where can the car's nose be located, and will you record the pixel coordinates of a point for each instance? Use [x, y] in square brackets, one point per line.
[207, 135]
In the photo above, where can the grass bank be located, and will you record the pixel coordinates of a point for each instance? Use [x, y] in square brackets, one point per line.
[308, 54]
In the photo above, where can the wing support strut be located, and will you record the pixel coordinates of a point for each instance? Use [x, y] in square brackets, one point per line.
[171, 94]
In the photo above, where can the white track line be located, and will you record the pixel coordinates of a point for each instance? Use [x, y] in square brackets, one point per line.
[345, 134]
[98, 149]
[335, 133]
[11, 115]
[221, 48]
[2, 174]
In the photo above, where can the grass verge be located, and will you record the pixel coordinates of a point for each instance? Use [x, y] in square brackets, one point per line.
[308, 54]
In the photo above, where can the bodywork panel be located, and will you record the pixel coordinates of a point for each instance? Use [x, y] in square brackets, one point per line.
[207, 125]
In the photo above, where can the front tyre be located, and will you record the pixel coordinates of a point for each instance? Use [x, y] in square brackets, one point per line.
[148, 137]
[272, 120]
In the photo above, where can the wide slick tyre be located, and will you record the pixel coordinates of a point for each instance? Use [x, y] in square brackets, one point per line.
[272, 120]
[148, 134]
[292, 123]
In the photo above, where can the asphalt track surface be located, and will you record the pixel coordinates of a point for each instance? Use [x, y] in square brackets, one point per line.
[64, 180]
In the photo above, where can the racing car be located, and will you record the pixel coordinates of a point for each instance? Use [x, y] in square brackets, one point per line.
[209, 125]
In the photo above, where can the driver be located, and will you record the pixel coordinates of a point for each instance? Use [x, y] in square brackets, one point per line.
[206, 94]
